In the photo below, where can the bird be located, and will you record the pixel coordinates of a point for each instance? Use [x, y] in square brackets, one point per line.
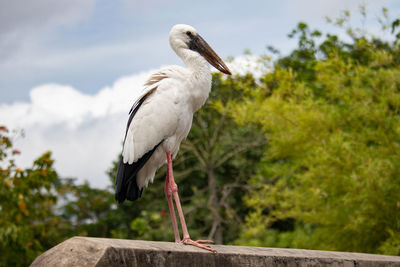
[161, 118]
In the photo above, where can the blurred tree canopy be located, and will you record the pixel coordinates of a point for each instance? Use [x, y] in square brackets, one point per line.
[330, 177]
[28, 224]
[306, 156]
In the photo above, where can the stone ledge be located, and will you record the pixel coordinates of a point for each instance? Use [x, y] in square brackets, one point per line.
[87, 251]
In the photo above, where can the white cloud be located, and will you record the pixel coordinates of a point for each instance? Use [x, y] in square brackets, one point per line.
[244, 64]
[84, 132]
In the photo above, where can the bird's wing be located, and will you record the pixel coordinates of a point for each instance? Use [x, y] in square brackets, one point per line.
[151, 120]
[149, 87]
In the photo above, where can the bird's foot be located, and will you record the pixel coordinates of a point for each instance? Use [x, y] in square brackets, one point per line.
[198, 243]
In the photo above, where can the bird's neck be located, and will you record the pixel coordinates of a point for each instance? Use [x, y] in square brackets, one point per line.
[195, 62]
[200, 78]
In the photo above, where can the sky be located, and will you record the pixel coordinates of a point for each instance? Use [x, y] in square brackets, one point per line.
[71, 69]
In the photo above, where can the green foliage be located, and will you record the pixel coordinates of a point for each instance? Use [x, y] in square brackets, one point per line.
[330, 176]
[27, 201]
[88, 211]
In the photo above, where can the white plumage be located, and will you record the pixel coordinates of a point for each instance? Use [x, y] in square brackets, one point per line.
[162, 116]
[166, 115]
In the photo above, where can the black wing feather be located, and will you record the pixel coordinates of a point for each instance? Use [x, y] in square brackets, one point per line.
[126, 186]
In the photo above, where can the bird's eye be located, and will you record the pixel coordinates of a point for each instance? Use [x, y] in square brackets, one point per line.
[189, 33]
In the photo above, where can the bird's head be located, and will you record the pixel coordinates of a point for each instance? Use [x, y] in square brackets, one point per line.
[185, 37]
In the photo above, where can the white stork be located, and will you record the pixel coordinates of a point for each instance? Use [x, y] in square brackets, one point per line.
[162, 117]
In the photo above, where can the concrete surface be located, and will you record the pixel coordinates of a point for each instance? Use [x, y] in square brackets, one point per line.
[86, 251]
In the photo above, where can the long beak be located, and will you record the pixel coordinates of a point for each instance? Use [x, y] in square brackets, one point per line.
[200, 45]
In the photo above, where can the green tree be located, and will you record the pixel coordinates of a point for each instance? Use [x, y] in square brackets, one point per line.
[28, 224]
[89, 211]
[330, 175]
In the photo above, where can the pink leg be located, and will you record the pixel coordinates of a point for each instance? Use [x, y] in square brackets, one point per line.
[168, 195]
[174, 189]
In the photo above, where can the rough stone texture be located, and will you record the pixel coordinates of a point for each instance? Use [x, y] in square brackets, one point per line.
[85, 251]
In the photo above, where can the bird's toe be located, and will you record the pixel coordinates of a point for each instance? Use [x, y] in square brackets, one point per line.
[188, 241]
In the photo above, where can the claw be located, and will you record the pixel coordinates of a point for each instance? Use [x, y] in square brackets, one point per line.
[205, 241]
[188, 241]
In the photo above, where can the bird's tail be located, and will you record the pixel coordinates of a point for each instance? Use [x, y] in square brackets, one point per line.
[126, 188]
[126, 185]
